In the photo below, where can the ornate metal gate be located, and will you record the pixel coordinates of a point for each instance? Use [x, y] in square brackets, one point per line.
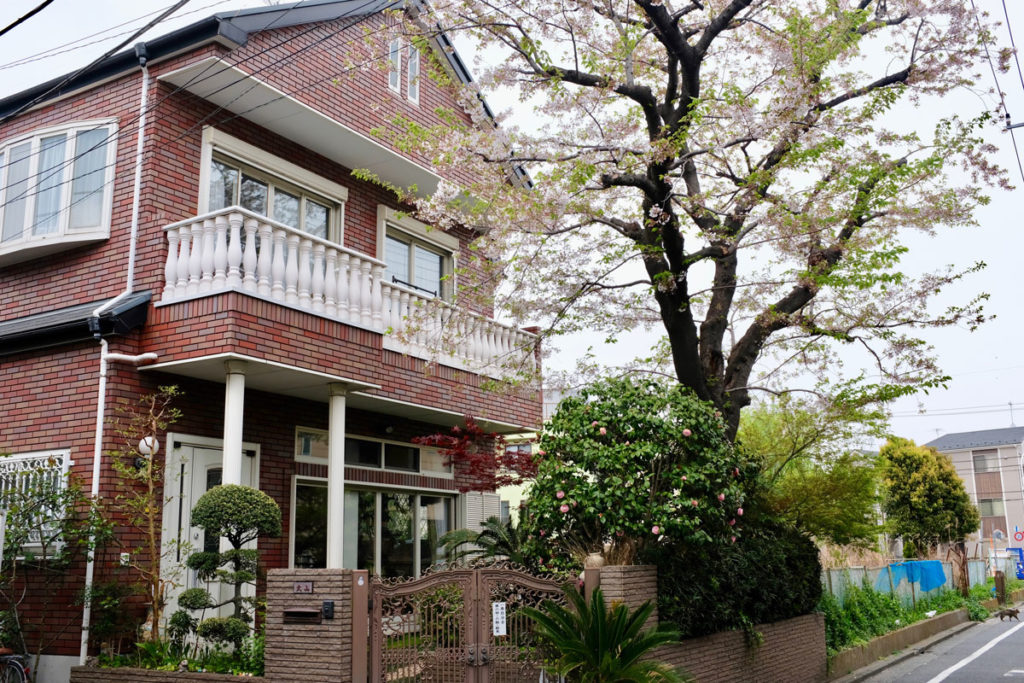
[457, 626]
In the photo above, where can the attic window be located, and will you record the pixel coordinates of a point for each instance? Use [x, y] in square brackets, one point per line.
[395, 65]
[414, 75]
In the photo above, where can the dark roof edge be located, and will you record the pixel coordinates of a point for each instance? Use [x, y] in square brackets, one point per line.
[120, 320]
[164, 46]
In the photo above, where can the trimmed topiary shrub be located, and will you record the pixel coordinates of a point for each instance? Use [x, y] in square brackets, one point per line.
[240, 514]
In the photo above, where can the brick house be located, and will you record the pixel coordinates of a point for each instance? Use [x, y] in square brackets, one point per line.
[229, 250]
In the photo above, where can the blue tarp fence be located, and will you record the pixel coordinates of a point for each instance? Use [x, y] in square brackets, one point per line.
[927, 574]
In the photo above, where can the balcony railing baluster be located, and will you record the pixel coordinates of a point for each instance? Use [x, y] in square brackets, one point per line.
[236, 250]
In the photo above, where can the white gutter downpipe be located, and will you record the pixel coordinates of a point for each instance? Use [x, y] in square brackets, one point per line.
[105, 356]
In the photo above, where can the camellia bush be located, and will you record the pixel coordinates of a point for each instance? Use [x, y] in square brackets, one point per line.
[628, 464]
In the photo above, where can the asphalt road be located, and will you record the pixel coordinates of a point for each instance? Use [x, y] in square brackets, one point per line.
[991, 651]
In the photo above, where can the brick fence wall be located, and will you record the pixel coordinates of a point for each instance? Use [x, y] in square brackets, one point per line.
[791, 650]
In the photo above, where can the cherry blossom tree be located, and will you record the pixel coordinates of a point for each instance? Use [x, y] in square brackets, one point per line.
[731, 171]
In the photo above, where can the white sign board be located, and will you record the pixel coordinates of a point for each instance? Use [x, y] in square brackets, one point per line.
[498, 618]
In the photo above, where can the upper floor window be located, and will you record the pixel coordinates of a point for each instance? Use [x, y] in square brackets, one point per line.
[239, 174]
[234, 184]
[56, 186]
[416, 256]
[986, 461]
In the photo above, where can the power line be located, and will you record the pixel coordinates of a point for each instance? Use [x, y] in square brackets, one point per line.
[25, 17]
[67, 79]
[1013, 45]
[57, 50]
[999, 90]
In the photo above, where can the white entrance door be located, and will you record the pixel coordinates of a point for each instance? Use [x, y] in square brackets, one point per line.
[192, 470]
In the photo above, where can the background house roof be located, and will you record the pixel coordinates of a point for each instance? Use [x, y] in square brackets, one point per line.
[979, 439]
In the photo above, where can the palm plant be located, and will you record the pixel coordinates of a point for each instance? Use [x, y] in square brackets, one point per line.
[593, 644]
[497, 540]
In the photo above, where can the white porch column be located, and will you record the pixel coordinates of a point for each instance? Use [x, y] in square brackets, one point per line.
[336, 477]
[234, 401]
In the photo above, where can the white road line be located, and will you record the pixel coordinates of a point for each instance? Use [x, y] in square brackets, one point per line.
[979, 652]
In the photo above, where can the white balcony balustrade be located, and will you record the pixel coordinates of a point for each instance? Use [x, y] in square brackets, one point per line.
[237, 250]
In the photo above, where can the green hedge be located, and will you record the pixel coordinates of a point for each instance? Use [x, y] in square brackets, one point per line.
[772, 573]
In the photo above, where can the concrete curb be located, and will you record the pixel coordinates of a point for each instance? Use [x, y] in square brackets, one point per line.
[881, 665]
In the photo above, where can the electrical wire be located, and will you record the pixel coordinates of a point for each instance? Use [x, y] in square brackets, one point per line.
[57, 50]
[999, 90]
[1013, 45]
[25, 17]
[109, 53]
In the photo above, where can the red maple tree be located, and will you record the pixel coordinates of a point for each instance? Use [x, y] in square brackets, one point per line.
[483, 460]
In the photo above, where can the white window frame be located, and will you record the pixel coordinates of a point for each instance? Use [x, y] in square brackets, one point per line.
[395, 65]
[29, 245]
[15, 464]
[413, 75]
[275, 169]
[324, 434]
[302, 479]
[390, 220]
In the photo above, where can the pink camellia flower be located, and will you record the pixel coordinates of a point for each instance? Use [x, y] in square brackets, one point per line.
[602, 431]
[542, 452]
[687, 432]
[619, 532]
[541, 532]
[684, 477]
[732, 522]
[564, 507]
[560, 495]
[574, 503]
[721, 496]
[655, 529]
[739, 511]
[694, 503]
[736, 471]
[733, 539]
[594, 423]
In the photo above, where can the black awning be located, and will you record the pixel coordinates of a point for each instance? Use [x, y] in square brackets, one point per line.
[73, 324]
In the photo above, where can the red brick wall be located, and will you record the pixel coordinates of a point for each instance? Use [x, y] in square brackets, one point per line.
[792, 651]
[360, 99]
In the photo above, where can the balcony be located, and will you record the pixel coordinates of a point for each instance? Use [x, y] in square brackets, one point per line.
[237, 250]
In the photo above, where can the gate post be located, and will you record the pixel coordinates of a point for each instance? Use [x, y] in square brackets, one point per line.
[360, 619]
[591, 580]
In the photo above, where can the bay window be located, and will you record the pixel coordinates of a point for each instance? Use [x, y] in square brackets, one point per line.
[56, 189]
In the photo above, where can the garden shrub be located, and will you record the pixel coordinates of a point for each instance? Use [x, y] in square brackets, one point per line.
[631, 464]
[772, 573]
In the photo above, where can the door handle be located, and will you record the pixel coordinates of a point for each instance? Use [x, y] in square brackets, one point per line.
[471, 655]
[483, 656]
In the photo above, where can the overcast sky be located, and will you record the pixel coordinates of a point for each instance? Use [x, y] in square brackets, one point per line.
[987, 366]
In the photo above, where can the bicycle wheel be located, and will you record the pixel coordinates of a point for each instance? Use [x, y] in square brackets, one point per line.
[13, 672]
